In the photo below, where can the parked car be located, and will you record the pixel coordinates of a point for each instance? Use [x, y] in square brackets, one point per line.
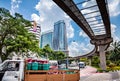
[73, 65]
[62, 66]
[53, 64]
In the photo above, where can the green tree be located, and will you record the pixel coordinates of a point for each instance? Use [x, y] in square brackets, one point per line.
[13, 34]
[21, 44]
[115, 52]
[95, 61]
[47, 51]
[59, 55]
[52, 55]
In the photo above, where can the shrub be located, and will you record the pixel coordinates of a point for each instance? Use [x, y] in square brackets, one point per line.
[100, 70]
[108, 62]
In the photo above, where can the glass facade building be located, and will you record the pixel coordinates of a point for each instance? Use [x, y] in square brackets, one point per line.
[60, 36]
[46, 38]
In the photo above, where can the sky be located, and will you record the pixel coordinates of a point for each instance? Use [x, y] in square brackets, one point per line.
[46, 13]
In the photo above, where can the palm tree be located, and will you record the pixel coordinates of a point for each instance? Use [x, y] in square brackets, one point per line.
[115, 52]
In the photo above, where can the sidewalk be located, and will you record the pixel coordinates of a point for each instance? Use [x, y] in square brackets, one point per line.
[111, 76]
[88, 70]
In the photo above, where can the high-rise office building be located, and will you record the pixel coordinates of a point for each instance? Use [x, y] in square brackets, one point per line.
[60, 36]
[47, 38]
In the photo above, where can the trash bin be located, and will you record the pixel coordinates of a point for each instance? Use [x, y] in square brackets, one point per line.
[29, 67]
[40, 66]
[46, 66]
[35, 66]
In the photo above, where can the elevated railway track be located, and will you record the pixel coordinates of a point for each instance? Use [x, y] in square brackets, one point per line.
[93, 20]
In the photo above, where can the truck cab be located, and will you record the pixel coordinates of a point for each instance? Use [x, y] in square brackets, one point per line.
[12, 70]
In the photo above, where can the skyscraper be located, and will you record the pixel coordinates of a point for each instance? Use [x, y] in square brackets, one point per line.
[47, 38]
[59, 36]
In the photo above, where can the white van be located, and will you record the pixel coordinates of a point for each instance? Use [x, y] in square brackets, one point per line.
[12, 70]
[82, 64]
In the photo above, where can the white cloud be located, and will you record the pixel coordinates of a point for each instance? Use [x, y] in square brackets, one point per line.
[13, 0]
[73, 49]
[83, 34]
[85, 48]
[77, 49]
[35, 17]
[114, 7]
[49, 13]
[14, 6]
[70, 30]
[115, 37]
[113, 30]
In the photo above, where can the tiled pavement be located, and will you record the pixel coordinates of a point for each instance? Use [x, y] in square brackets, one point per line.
[89, 74]
[112, 76]
[88, 70]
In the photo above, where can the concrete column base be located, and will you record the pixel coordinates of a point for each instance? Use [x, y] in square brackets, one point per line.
[102, 57]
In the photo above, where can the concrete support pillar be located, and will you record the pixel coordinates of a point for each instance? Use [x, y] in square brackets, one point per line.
[102, 57]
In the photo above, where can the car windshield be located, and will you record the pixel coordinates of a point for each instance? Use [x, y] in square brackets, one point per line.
[10, 66]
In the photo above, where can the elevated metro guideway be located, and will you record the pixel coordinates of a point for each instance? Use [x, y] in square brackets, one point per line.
[93, 19]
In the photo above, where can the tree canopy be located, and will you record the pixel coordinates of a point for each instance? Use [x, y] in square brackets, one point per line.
[14, 35]
[52, 55]
[115, 52]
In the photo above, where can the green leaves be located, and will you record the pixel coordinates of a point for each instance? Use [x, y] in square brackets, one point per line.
[14, 35]
[52, 55]
[115, 52]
